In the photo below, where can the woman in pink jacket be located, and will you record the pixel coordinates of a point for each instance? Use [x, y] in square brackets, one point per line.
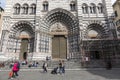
[15, 68]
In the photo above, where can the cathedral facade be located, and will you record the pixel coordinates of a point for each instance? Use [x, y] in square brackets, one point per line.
[55, 28]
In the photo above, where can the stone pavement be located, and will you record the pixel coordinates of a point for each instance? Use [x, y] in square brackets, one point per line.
[71, 74]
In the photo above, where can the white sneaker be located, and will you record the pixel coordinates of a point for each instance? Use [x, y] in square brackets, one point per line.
[11, 78]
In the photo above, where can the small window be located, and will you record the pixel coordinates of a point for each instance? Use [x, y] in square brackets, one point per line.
[17, 8]
[73, 6]
[25, 8]
[92, 9]
[33, 9]
[100, 8]
[84, 8]
[45, 6]
[116, 15]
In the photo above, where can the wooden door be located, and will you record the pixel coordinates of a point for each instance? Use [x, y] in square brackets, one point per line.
[59, 47]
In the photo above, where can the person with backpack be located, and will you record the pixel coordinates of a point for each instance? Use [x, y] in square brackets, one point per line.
[16, 68]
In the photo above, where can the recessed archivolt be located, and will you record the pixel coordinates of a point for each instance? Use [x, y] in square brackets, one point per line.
[22, 26]
[60, 10]
[98, 28]
[64, 17]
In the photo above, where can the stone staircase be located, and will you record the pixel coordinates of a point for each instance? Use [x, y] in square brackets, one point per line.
[68, 64]
[71, 64]
[55, 63]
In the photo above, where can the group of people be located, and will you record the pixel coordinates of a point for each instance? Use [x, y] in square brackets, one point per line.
[16, 67]
[33, 64]
[59, 69]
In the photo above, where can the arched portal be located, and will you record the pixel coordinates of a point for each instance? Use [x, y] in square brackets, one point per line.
[59, 40]
[64, 29]
[94, 45]
[23, 33]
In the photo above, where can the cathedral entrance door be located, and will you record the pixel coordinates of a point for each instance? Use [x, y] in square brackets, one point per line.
[23, 49]
[59, 47]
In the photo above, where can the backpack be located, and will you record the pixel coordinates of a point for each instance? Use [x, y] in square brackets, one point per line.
[18, 65]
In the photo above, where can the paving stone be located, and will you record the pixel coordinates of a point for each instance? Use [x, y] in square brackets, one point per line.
[82, 74]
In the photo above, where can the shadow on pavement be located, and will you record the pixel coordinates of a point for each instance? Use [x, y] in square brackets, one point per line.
[112, 74]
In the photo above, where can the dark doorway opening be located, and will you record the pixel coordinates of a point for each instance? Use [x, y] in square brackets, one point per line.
[95, 55]
[25, 55]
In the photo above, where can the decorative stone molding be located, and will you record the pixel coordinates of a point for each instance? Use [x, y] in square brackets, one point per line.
[58, 29]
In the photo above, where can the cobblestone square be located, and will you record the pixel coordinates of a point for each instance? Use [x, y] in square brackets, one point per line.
[81, 74]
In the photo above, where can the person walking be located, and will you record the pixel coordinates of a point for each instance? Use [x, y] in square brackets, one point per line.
[63, 66]
[16, 68]
[60, 67]
[45, 65]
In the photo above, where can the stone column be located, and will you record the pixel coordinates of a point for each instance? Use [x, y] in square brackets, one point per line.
[97, 11]
[37, 41]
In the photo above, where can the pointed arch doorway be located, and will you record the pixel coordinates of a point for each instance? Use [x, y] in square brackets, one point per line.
[24, 47]
[63, 39]
[25, 35]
